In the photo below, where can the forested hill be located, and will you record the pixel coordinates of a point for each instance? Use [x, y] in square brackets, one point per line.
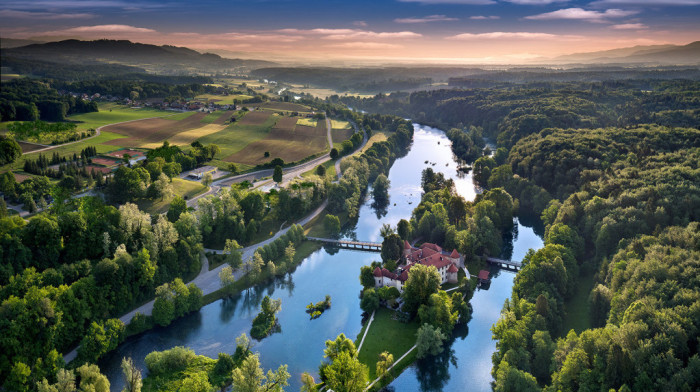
[657, 54]
[128, 53]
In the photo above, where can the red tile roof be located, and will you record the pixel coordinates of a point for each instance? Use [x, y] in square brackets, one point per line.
[431, 246]
[452, 269]
[454, 254]
[378, 272]
[406, 245]
[484, 275]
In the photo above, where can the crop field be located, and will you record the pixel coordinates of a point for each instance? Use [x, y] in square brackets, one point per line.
[29, 147]
[251, 127]
[340, 124]
[155, 130]
[223, 99]
[284, 106]
[111, 113]
[309, 122]
[286, 140]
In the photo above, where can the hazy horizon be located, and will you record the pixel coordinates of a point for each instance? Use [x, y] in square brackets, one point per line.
[382, 32]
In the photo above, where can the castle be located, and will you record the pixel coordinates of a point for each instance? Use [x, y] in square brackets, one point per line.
[447, 265]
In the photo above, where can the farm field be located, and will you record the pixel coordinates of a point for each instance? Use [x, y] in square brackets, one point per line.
[309, 122]
[111, 113]
[29, 147]
[154, 130]
[286, 140]
[340, 124]
[223, 99]
[251, 127]
[284, 107]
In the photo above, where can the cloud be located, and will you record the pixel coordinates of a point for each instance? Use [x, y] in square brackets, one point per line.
[426, 19]
[359, 23]
[507, 35]
[581, 14]
[462, 2]
[367, 45]
[630, 26]
[13, 14]
[482, 17]
[114, 28]
[647, 2]
[536, 2]
[77, 4]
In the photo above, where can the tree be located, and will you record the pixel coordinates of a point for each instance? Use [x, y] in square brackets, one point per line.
[178, 205]
[132, 376]
[392, 249]
[423, 281]
[332, 224]
[277, 175]
[321, 171]
[308, 384]
[163, 307]
[386, 230]
[9, 150]
[207, 180]
[233, 257]
[438, 312]
[346, 374]
[403, 229]
[380, 190]
[370, 300]
[384, 363]
[289, 253]
[226, 277]
[249, 377]
[334, 153]
[367, 276]
[429, 341]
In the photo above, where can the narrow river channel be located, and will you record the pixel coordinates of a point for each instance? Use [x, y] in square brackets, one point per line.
[465, 366]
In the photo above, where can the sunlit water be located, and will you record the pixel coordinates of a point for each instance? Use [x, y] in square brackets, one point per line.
[300, 343]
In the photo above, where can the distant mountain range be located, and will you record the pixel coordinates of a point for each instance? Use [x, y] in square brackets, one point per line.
[654, 54]
[151, 57]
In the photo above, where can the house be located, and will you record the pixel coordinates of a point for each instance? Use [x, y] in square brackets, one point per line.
[446, 263]
[198, 174]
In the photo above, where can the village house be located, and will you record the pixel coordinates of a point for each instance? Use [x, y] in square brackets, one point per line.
[446, 263]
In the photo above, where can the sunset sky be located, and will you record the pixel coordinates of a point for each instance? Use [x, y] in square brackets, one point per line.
[450, 31]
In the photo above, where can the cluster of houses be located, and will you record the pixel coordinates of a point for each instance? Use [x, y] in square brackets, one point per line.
[446, 263]
[109, 162]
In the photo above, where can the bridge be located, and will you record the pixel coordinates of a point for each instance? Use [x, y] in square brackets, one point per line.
[357, 245]
[505, 264]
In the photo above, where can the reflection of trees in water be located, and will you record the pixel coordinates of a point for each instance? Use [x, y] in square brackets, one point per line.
[228, 307]
[509, 238]
[380, 208]
[331, 249]
[433, 373]
[179, 334]
[533, 221]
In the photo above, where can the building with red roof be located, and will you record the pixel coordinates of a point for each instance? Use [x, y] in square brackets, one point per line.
[446, 263]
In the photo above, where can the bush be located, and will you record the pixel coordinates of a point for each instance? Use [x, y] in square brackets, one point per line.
[168, 361]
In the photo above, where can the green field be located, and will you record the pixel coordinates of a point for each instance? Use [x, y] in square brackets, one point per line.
[111, 113]
[237, 136]
[339, 124]
[211, 117]
[311, 122]
[386, 334]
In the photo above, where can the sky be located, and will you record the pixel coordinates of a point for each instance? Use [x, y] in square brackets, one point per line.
[444, 31]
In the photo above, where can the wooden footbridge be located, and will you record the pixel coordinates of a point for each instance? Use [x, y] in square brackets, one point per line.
[505, 264]
[357, 245]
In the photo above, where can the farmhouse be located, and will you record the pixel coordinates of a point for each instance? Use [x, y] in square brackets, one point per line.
[134, 156]
[446, 263]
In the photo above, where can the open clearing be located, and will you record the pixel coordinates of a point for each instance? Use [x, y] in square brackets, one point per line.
[187, 137]
[339, 135]
[154, 130]
[286, 140]
[183, 188]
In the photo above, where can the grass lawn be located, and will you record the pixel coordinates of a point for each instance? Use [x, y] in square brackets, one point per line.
[376, 137]
[386, 334]
[237, 136]
[578, 315]
[311, 122]
[183, 188]
[330, 169]
[315, 227]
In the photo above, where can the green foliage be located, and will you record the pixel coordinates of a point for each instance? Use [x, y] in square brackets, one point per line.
[266, 320]
[429, 341]
[317, 309]
[249, 377]
[9, 150]
[439, 312]
[380, 190]
[100, 339]
[370, 300]
[423, 281]
[332, 224]
[277, 175]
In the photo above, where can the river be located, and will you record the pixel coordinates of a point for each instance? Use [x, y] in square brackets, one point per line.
[299, 344]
